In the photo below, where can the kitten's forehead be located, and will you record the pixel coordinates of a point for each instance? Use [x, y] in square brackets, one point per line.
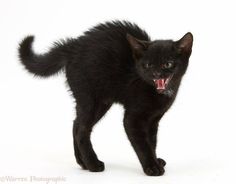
[162, 45]
[161, 49]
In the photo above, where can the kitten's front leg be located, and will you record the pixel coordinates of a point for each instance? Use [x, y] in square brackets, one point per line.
[152, 136]
[137, 130]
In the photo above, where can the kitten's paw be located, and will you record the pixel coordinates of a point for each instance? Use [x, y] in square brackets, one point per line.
[161, 162]
[154, 170]
[96, 167]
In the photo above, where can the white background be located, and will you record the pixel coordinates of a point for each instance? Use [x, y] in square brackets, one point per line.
[197, 135]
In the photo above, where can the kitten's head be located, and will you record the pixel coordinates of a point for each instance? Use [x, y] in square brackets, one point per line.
[161, 63]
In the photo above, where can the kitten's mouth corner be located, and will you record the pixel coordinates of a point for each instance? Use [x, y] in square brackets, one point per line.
[162, 83]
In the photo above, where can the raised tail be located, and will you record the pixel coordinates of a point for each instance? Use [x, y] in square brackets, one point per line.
[41, 64]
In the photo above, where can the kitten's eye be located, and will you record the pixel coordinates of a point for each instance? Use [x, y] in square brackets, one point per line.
[148, 65]
[168, 65]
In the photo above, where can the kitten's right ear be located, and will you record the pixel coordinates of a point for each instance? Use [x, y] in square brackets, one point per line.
[137, 46]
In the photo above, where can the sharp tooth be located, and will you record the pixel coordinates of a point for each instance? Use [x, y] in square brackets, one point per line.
[166, 81]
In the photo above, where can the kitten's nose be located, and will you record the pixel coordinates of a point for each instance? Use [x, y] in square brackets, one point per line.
[156, 74]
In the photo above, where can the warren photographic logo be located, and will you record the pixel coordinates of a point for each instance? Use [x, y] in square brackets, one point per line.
[33, 179]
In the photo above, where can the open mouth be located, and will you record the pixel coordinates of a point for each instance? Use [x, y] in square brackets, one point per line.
[162, 84]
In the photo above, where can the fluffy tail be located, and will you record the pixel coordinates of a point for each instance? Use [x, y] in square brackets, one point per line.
[41, 64]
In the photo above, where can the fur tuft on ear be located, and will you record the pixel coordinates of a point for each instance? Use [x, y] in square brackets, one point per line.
[137, 46]
[184, 45]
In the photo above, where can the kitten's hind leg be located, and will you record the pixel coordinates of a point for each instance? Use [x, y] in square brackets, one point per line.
[87, 117]
[76, 149]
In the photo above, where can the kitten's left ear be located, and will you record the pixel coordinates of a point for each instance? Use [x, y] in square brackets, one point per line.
[184, 45]
[137, 46]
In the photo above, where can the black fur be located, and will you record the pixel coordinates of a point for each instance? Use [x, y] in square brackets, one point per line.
[116, 62]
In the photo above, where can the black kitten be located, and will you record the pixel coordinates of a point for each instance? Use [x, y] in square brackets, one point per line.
[116, 62]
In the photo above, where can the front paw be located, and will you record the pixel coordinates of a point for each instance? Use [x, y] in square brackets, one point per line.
[154, 170]
[161, 162]
[97, 166]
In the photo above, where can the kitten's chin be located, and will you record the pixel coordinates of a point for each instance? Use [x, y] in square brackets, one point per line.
[166, 92]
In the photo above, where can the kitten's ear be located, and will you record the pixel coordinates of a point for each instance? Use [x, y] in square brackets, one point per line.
[184, 45]
[137, 46]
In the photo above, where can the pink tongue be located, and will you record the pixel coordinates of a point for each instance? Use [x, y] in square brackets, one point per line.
[160, 84]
